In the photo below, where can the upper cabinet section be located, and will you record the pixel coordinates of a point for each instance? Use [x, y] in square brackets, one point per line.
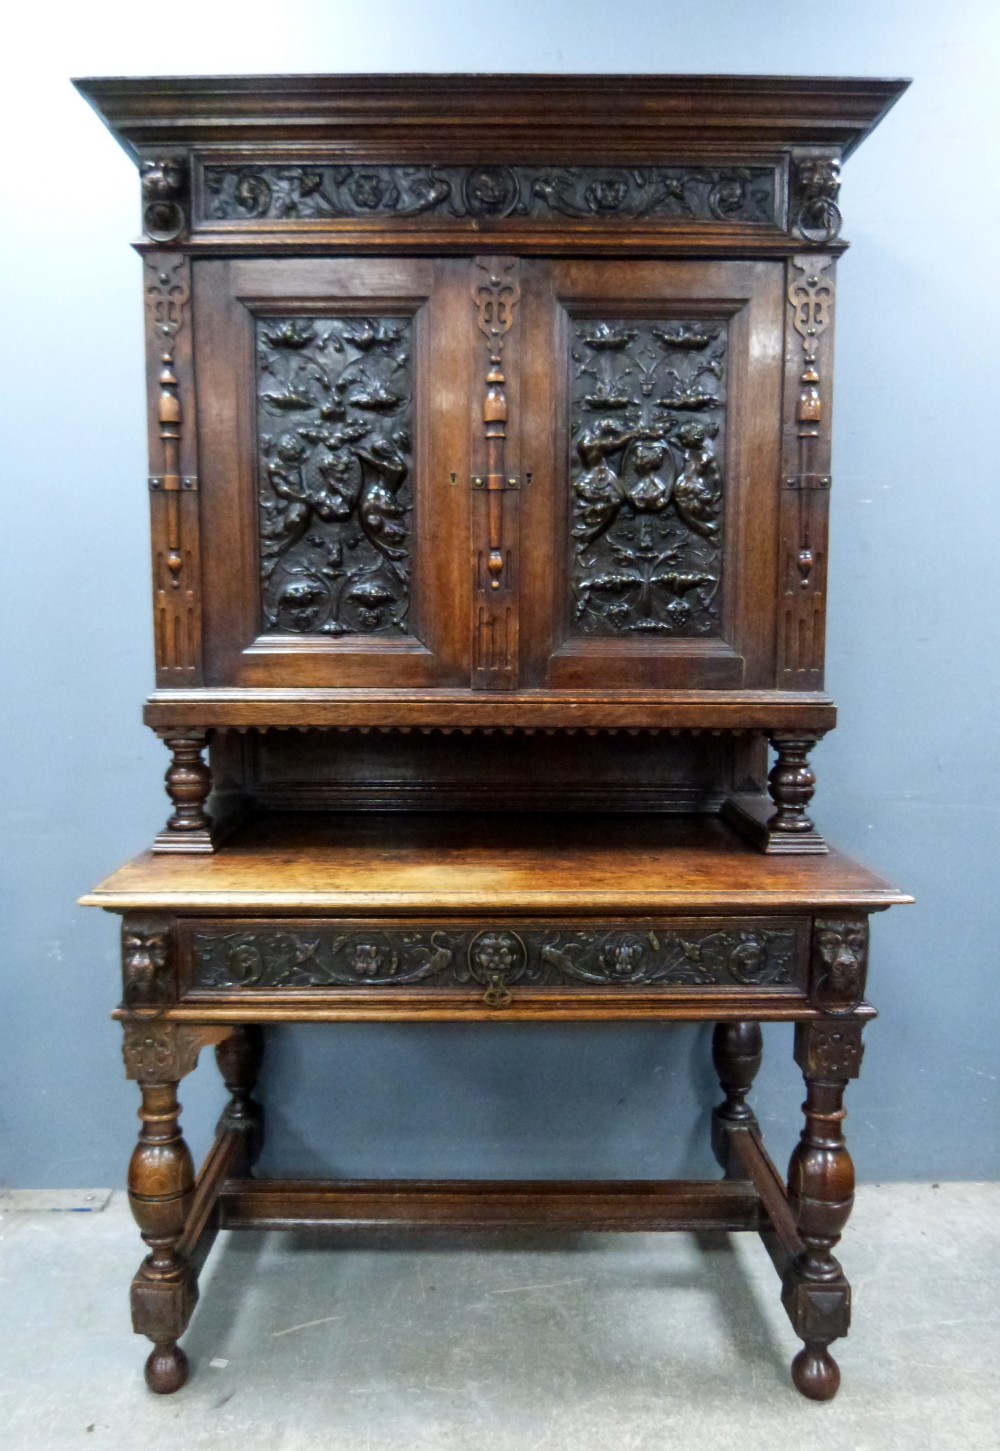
[546, 163]
[490, 400]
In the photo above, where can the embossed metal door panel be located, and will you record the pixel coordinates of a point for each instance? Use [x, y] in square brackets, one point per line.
[648, 542]
[329, 522]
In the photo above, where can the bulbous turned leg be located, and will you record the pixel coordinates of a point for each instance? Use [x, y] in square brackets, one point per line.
[239, 1058]
[737, 1049]
[816, 1294]
[160, 1185]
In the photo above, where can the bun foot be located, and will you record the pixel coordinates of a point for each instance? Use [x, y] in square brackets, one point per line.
[166, 1368]
[815, 1372]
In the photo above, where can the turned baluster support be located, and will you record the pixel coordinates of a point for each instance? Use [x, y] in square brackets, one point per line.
[821, 1194]
[792, 784]
[189, 782]
[783, 824]
[239, 1058]
[737, 1049]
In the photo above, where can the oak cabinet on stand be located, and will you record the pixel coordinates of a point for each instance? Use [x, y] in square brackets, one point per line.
[489, 426]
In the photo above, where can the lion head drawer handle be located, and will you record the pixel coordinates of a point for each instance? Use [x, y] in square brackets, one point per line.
[497, 959]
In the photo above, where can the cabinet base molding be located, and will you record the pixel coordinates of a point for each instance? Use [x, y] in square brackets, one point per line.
[751, 816]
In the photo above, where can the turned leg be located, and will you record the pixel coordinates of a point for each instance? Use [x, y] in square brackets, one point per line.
[820, 1194]
[737, 1049]
[792, 784]
[189, 783]
[161, 1182]
[160, 1185]
[239, 1058]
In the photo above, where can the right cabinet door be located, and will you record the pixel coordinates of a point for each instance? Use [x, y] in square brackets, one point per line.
[651, 426]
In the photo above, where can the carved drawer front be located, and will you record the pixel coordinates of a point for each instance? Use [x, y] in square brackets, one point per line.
[494, 962]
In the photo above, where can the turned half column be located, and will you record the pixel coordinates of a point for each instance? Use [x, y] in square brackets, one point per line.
[239, 1058]
[737, 1049]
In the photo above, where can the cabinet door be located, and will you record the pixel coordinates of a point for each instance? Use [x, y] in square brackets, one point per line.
[329, 426]
[651, 425]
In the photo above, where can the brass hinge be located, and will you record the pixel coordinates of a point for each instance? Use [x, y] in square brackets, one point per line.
[808, 481]
[172, 484]
[512, 481]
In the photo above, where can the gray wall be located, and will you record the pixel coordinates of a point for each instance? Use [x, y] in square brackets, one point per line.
[909, 780]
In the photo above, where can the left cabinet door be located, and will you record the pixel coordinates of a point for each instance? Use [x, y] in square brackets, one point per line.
[332, 429]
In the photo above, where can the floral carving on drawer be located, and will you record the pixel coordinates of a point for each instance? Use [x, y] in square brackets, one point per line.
[495, 958]
[647, 423]
[334, 441]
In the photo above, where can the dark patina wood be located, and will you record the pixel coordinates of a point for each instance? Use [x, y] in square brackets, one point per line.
[490, 469]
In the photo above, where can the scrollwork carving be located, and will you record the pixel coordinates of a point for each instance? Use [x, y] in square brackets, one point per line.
[647, 417]
[334, 429]
[492, 193]
[496, 958]
[285, 959]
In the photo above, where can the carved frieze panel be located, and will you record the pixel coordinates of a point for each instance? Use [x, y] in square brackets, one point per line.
[490, 194]
[647, 443]
[496, 959]
[335, 458]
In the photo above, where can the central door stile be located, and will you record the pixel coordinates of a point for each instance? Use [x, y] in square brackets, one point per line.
[496, 484]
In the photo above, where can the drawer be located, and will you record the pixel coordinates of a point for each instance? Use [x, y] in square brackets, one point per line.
[492, 962]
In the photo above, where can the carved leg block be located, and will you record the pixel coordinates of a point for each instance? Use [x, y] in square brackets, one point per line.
[737, 1049]
[816, 1294]
[161, 1312]
[239, 1058]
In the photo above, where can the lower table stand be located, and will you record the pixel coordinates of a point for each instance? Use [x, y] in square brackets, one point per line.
[216, 948]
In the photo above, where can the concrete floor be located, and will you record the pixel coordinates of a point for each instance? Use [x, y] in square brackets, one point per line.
[527, 1343]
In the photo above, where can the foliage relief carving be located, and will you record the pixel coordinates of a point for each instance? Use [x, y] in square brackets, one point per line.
[492, 193]
[494, 958]
[334, 431]
[647, 421]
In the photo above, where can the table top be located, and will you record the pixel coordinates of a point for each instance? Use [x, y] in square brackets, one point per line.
[504, 862]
